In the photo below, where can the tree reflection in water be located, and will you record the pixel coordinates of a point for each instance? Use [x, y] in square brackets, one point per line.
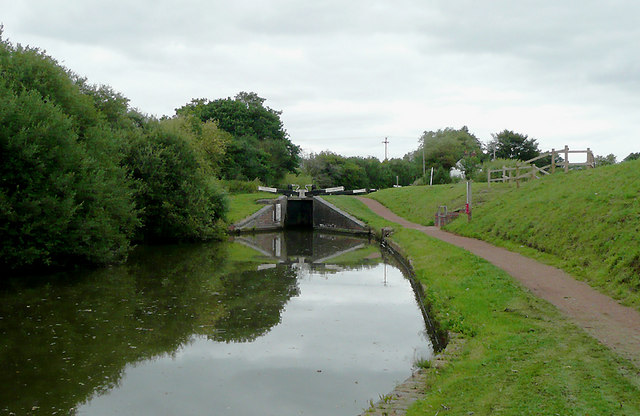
[68, 337]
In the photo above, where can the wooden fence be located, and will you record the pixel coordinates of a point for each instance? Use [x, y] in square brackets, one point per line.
[527, 170]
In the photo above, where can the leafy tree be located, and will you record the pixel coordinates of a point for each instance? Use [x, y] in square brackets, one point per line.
[209, 141]
[352, 176]
[180, 201]
[510, 145]
[378, 173]
[609, 159]
[245, 160]
[64, 198]
[441, 176]
[470, 164]
[30, 69]
[260, 146]
[329, 169]
[632, 156]
[445, 148]
[81, 173]
[402, 171]
[112, 106]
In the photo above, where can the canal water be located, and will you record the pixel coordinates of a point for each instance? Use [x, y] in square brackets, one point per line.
[295, 323]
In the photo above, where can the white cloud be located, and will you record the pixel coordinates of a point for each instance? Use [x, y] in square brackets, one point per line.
[347, 74]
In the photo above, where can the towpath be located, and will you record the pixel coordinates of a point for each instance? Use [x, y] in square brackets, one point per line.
[605, 319]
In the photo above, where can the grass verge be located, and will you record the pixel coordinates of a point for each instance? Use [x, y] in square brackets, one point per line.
[419, 204]
[243, 205]
[584, 222]
[520, 355]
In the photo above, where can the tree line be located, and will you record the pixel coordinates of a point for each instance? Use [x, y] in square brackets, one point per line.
[445, 150]
[441, 150]
[83, 177]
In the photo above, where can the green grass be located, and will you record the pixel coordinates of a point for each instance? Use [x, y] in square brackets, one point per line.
[586, 222]
[243, 205]
[419, 204]
[519, 355]
[359, 210]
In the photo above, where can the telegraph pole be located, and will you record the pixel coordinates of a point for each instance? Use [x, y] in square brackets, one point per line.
[386, 142]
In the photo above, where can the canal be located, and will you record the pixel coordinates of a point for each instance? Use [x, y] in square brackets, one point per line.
[295, 323]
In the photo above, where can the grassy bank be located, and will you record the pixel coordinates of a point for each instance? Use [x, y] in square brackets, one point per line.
[520, 356]
[243, 205]
[585, 222]
[420, 203]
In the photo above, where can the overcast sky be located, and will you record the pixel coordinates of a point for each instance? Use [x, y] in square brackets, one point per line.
[347, 74]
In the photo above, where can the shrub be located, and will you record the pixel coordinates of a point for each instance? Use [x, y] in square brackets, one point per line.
[179, 202]
[241, 187]
[59, 202]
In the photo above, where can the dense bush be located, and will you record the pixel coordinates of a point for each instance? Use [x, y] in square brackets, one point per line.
[62, 197]
[241, 187]
[330, 169]
[180, 202]
[81, 174]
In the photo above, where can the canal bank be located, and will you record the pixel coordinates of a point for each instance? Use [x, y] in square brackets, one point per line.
[518, 354]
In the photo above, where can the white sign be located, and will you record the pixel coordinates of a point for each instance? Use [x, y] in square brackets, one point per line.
[267, 189]
[336, 189]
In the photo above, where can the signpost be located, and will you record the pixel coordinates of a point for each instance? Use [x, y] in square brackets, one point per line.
[467, 207]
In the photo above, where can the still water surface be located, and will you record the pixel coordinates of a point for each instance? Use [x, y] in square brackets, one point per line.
[273, 324]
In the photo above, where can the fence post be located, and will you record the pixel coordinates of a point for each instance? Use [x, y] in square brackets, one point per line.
[488, 178]
[566, 158]
[504, 173]
[517, 175]
[589, 159]
[553, 160]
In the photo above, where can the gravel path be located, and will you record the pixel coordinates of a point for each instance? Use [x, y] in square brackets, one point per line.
[612, 324]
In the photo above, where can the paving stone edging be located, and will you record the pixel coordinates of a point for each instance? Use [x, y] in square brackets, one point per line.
[415, 387]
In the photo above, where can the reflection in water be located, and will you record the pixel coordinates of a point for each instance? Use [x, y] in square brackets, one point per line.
[305, 246]
[194, 329]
